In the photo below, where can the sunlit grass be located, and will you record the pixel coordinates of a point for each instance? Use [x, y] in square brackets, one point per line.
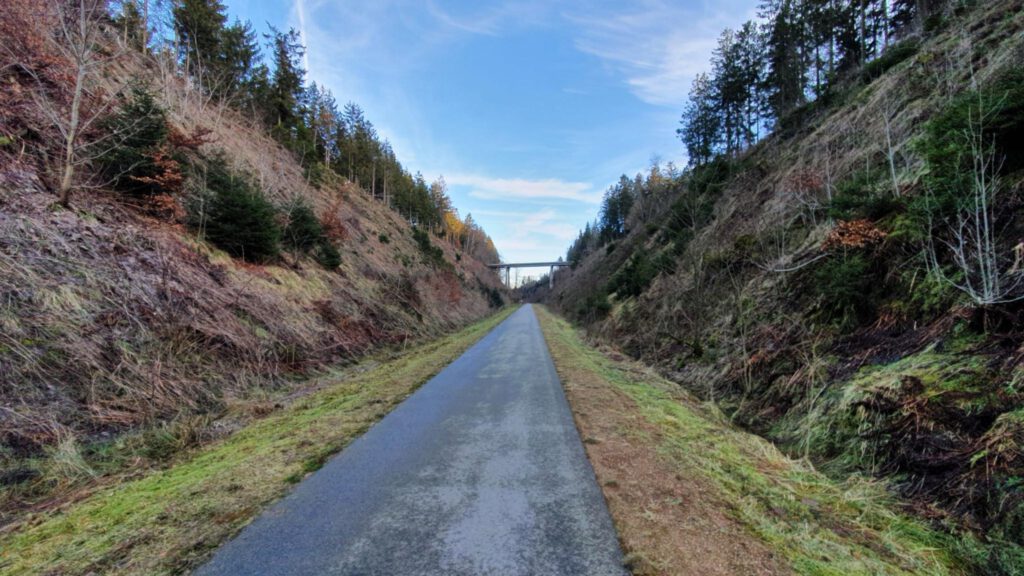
[822, 527]
[169, 520]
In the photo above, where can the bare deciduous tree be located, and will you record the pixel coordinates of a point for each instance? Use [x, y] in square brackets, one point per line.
[890, 152]
[985, 262]
[77, 38]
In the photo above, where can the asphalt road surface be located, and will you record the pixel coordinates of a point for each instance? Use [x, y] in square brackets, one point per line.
[480, 472]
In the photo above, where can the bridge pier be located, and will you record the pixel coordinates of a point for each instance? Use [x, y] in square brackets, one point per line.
[507, 269]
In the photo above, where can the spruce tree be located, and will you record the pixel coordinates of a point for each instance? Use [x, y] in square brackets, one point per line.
[239, 219]
[700, 132]
[785, 79]
[286, 85]
[199, 25]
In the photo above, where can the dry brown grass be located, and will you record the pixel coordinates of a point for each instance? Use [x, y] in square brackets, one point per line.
[692, 494]
[112, 320]
[170, 520]
[670, 521]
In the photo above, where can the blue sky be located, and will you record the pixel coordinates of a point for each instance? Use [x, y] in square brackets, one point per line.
[530, 109]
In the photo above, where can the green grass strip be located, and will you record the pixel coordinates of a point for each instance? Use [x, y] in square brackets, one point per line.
[170, 520]
[822, 527]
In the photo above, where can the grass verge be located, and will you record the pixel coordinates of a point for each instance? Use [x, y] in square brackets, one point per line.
[819, 526]
[169, 521]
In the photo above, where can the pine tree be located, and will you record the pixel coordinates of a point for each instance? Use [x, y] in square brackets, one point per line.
[749, 53]
[729, 88]
[286, 84]
[220, 58]
[132, 21]
[701, 123]
[198, 25]
[234, 65]
[786, 74]
[323, 120]
[239, 219]
[615, 207]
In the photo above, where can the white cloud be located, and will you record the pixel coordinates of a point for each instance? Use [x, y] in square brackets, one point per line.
[522, 189]
[491, 19]
[526, 236]
[657, 45]
[546, 223]
[485, 24]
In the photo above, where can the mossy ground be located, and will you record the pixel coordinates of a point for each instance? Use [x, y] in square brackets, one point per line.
[168, 521]
[820, 526]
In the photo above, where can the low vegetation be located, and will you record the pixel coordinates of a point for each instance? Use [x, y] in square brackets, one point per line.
[815, 524]
[847, 281]
[236, 217]
[185, 238]
[169, 520]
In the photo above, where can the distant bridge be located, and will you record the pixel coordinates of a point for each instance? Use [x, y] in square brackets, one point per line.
[507, 267]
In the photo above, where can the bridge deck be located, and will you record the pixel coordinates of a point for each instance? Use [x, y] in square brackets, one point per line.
[528, 265]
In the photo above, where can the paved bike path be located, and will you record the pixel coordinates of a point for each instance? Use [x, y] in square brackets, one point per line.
[480, 472]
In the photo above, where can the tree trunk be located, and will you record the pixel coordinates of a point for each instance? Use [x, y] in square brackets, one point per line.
[145, 26]
[67, 178]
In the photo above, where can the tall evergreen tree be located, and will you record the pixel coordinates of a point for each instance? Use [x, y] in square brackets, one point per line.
[286, 84]
[749, 52]
[786, 74]
[198, 25]
[235, 63]
[615, 207]
[220, 58]
[701, 124]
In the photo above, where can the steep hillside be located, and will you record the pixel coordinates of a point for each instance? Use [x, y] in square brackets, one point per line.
[810, 285]
[126, 333]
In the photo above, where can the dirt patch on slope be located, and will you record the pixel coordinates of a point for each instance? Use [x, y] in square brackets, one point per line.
[669, 522]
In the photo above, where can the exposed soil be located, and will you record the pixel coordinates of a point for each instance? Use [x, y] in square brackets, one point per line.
[675, 518]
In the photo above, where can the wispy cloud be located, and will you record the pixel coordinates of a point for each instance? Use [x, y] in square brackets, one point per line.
[299, 8]
[547, 223]
[537, 235]
[523, 189]
[485, 24]
[659, 46]
[491, 19]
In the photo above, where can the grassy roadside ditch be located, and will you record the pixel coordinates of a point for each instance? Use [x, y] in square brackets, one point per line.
[170, 520]
[808, 523]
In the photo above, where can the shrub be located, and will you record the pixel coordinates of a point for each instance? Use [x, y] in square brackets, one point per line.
[666, 262]
[794, 120]
[859, 197]
[843, 286]
[593, 307]
[930, 296]
[710, 179]
[431, 254]
[139, 159]
[1008, 125]
[633, 278]
[384, 238]
[946, 147]
[239, 220]
[303, 231]
[327, 255]
[889, 59]
[688, 213]
[494, 297]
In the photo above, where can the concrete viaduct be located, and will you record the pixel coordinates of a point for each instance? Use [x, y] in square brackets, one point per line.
[506, 268]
